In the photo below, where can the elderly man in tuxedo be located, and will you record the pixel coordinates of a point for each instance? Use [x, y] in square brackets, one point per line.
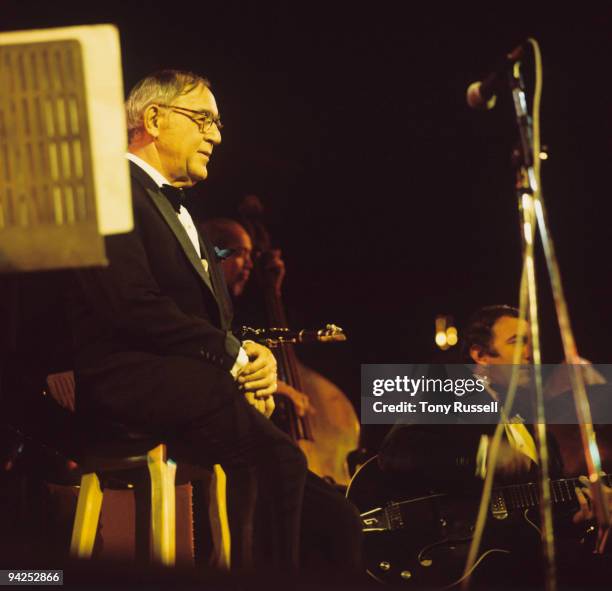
[154, 349]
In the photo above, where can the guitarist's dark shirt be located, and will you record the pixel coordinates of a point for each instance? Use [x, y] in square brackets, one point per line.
[446, 454]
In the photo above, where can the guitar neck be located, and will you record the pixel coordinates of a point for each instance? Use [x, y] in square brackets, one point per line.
[524, 496]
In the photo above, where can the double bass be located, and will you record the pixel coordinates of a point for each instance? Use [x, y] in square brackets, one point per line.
[331, 431]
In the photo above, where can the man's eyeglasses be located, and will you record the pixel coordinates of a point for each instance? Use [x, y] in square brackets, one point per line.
[204, 120]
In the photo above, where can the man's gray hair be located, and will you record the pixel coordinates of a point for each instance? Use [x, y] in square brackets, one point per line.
[163, 87]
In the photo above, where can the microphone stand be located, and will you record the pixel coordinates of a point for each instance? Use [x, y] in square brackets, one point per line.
[533, 214]
[527, 191]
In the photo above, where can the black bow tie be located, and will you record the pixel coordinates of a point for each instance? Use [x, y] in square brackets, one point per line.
[175, 196]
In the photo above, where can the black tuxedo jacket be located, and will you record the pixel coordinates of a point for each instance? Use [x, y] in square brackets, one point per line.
[154, 298]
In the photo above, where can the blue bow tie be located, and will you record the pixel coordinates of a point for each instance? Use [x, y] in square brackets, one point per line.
[175, 196]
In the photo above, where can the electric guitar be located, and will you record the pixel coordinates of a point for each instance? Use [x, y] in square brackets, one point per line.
[422, 540]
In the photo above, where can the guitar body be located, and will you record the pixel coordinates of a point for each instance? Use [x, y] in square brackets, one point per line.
[421, 539]
[424, 542]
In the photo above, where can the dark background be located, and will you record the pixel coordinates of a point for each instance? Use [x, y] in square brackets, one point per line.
[391, 200]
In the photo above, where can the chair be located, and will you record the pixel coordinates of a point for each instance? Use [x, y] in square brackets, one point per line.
[122, 456]
[160, 509]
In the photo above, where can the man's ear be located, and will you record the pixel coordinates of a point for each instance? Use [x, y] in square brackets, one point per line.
[150, 120]
[478, 355]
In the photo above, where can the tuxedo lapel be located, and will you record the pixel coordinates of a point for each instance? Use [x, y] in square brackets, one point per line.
[214, 268]
[213, 279]
[168, 213]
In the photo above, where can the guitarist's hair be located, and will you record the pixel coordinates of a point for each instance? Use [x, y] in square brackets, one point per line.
[479, 329]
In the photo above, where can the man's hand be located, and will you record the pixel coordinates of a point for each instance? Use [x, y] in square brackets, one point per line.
[299, 399]
[585, 497]
[511, 462]
[259, 374]
[264, 405]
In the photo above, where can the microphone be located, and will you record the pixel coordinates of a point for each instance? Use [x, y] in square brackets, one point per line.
[481, 94]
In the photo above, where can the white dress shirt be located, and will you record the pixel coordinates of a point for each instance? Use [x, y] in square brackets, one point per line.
[183, 214]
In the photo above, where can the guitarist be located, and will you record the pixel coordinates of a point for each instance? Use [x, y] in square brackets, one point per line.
[489, 343]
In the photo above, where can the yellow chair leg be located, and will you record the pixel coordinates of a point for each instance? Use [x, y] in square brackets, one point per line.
[163, 507]
[219, 522]
[170, 492]
[87, 516]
